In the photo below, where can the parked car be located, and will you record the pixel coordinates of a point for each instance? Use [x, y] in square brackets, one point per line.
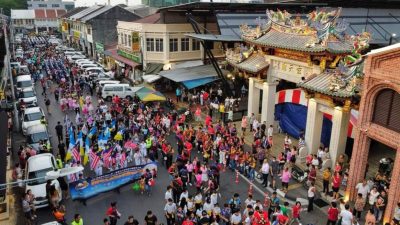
[87, 65]
[37, 167]
[28, 95]
[37, 133]
[75, 57]
[24, 81]
[30, 117]
[95, 69]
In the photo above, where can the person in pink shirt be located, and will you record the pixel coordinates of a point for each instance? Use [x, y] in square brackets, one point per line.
[285, 178]
[197, 114]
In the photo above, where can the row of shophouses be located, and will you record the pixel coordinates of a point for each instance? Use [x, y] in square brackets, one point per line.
[311, 80]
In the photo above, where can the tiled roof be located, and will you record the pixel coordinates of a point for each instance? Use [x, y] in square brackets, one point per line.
[254, 64]
[277, 39]
[40, 14]
[51, 13]
[60, 12]
[322, 84]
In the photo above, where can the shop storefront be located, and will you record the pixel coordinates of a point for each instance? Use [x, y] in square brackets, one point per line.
[99, 53]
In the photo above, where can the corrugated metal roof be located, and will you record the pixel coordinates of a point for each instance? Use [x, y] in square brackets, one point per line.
[73, 12]
[85, 12]
[22, 14]
[215, 37]
[229, 22]
[190, 73]
[152, 19]
[96, 13]
[381, 23]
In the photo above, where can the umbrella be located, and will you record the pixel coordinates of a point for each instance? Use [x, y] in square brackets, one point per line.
[130, 144]
[149, 95]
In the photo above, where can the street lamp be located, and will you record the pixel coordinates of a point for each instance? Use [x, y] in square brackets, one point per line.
[391, 38]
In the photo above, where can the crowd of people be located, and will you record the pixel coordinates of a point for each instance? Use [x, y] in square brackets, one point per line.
[108, 136]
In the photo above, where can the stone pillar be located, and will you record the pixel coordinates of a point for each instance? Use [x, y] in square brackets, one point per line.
[250, 99]
[358, 163]
[340, 124]
[394, 190]
[313, 126]
[268, 103]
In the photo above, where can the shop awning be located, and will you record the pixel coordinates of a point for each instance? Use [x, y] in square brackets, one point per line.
[151, 78]
[190, 84]
[113, 53]
[192, 76]
[153, 68]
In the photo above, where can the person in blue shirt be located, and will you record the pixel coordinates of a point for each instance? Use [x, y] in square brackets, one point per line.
[178, 93]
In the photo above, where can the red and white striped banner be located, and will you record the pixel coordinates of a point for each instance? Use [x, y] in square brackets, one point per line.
[298, 96]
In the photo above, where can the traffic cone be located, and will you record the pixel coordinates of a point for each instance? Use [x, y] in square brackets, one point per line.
[237, 177]
[251, 189]
[266, 200]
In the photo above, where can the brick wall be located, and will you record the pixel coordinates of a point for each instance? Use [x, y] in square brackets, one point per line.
[381, 71]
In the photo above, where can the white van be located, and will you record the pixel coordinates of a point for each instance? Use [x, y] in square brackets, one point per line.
[24, 81]
[104, 82]
[120, 90]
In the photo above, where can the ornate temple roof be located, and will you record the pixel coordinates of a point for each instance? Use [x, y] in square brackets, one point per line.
[321, 32]
[343, 82]
[253, 64]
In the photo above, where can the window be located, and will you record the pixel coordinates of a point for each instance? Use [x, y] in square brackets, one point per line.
[387, 109]
[129, 40]
[89, 31]
[195, 45]
[125, 39]
[150, 44]
[43, 5]
[173, 44]
[120, 39]
[184, 44]
[159, 45]
[55, 5]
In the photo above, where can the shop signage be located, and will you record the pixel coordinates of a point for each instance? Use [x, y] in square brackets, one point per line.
[99, 47]
[135, 42]
[130, 56]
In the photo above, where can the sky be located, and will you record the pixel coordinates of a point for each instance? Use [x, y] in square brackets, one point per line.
[102, 2]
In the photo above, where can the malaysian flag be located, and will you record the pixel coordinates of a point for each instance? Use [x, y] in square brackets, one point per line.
[107, 157]
[94, 160]
[76, 155]
[122, 159]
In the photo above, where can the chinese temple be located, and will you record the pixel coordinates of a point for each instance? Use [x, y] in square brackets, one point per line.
[315, 54]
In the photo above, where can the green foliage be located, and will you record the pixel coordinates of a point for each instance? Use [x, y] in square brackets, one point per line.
[7, 5]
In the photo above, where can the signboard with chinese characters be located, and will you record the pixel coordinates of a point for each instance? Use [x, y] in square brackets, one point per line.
[135, 42]
[99, 47]
[289, 70]
[133, 57]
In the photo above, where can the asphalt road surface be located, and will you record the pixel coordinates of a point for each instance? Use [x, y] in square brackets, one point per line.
[133, 203]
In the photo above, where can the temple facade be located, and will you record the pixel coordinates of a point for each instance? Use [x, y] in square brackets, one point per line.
[313, 53]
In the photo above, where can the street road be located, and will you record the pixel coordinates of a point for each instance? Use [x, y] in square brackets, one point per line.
[131, 202]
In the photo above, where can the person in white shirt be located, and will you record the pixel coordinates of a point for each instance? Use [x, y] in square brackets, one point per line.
[249, 201]
[270, 131]
[265, 171]
[208, 206]
[184, 194]
[373, 194]
[236, 218]
[168, 194]
[170, 210]
[363, 189]
[346, 215]
[214, 198]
